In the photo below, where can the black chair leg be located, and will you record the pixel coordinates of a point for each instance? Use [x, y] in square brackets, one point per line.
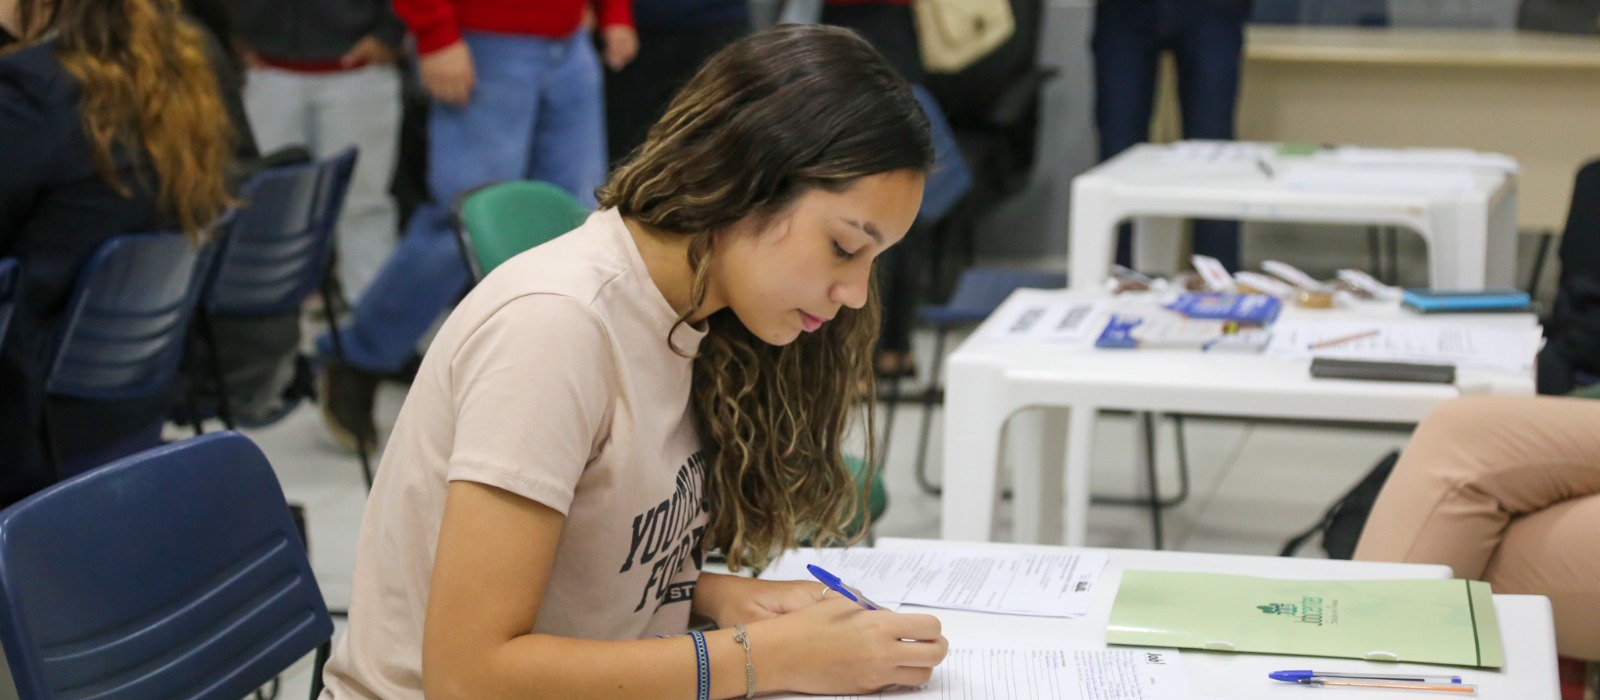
[1151, 472]
[209, 337]
[1545, 239]
[317, 663]
[930, 399]
[338, 350]
[1375, 254]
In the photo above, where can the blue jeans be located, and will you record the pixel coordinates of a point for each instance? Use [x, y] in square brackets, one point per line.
[1206, 38]
[536, 112]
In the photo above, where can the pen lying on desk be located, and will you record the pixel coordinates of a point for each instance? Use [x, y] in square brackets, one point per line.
[1295, 676]
[1459, 688]
[1345, 339]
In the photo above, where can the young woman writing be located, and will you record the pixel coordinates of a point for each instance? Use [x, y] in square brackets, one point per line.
[674, 376]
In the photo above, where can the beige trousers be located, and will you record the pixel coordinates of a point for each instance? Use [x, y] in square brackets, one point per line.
[1504, 490]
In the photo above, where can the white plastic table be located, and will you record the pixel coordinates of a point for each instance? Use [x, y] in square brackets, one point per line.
[1527, 629]
[1471, 233]
[990, 378]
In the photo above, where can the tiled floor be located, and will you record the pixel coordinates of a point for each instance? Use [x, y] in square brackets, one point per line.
[1253, 486]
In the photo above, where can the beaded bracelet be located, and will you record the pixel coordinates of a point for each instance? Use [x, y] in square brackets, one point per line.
[749, 668]
[702, 662]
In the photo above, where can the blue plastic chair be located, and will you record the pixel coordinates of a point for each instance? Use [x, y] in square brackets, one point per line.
[175, 573]
[8, 293]
[978, 293]
[277, 251]
[124, 328]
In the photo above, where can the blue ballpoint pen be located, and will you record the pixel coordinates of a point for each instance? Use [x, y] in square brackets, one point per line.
[838, 586]
[1297, 676]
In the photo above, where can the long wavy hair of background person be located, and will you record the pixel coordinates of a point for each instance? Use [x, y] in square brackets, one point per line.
[149, 92]
[766, 119]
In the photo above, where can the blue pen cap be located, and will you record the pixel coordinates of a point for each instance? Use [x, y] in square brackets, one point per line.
[1290, 676]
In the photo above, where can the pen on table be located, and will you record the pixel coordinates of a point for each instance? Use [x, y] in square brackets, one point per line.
[1343, 339]
[1461, 689]
[833, 583]
[1265, 168]
[1294, 676]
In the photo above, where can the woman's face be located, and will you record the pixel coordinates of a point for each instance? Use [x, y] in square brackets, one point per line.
[795, 275]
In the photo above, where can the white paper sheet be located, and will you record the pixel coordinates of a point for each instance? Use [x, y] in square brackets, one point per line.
[1057, 320]
[1480, 347]
[1005, 671]
[1053, 584]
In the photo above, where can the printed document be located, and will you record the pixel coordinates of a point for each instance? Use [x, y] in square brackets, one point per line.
[1480, 347]
[1054, 320]
[1002, 671]
[1051, 584]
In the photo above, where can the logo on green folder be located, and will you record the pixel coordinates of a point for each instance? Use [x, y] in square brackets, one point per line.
[1308, 611]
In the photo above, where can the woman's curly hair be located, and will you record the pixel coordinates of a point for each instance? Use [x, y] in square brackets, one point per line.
[765, 120]
[149, 94]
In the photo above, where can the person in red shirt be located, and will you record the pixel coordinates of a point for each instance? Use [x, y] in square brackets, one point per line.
[517, 95]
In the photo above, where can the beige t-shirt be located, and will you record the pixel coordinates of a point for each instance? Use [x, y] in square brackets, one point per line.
[552, 380]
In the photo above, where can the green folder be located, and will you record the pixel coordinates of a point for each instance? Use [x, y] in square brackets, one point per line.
[1422, 621]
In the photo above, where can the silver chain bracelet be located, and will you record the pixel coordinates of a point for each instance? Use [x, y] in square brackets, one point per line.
[749, 667]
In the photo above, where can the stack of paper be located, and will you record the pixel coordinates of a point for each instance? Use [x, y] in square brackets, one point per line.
[1336, 177]
[1462, 345]
[1425, 156]
[1054, 584]
[1067, 671]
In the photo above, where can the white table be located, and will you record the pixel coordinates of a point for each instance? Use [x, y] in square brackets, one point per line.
[1527, 629]
[990, 378]
[1532, 95]
[1471, 233]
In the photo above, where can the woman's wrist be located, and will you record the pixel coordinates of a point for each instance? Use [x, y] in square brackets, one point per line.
[711, 596]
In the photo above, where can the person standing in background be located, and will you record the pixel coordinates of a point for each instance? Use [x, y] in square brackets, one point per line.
[323, 75]
[675, 37]
[891, 28]
[1206, 38]
[517, 95]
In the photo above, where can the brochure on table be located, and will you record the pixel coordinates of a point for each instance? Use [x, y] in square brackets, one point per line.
[1441, 621]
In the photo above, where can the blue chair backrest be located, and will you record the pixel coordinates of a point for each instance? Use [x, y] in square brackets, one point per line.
[981, 290]
[277, 245]
[8, 293]
[125, 326]
[174, 573]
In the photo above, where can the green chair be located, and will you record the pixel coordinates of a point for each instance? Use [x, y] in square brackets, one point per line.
[497, 221]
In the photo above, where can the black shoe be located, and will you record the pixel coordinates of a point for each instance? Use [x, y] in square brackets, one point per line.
[346, 400]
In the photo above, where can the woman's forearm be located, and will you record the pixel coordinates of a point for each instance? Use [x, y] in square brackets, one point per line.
[545, 666]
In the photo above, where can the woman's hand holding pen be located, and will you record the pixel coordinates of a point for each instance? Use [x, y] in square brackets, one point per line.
[837, 647]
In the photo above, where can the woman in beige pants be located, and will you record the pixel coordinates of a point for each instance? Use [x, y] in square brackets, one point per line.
[1504, 490]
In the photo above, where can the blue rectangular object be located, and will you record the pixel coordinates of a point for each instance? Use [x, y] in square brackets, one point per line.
[1466, 301]
[1255, 309]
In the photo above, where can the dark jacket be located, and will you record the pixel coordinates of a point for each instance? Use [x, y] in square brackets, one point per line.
[313, 30]
[55, 210]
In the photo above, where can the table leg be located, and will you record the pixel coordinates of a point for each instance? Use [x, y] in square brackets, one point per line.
[1035, 444]
[1157, 244]
[1457, 245]
[1080, 449]
[1502, 238]
[1091, 235]
[975, 413]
